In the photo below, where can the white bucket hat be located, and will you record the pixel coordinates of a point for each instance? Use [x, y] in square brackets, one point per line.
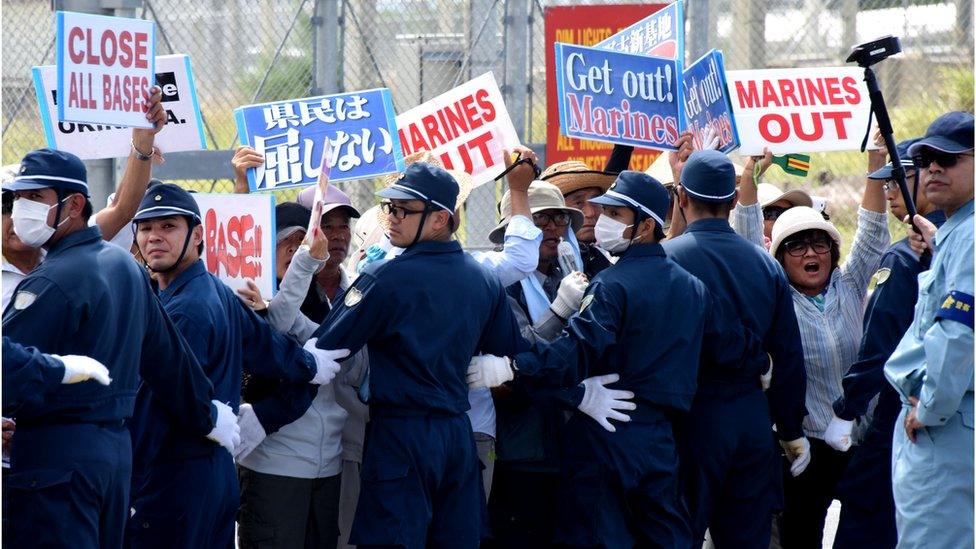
[799, 219]
[769, 193]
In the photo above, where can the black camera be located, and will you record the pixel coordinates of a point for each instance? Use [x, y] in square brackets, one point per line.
[869, 53]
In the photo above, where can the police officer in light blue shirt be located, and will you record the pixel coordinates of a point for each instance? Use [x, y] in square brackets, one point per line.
[71, 456]
[932, 367]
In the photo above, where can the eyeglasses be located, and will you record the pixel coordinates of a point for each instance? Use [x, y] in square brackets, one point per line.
[798, 248]
[946, 160]
[772, 213]
[541, 219]
[398, 212]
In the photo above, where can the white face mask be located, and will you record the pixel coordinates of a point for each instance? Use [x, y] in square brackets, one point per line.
[30, 222]
[610, 234]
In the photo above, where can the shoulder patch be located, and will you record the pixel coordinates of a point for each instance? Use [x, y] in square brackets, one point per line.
[882, 275]
[23, 300]
[353, 297]
[586, 302]
[957, 306]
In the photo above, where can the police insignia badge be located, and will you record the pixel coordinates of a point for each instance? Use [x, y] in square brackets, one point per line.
[23, 300]
[586, 302]
[353, 297]
[882, 275]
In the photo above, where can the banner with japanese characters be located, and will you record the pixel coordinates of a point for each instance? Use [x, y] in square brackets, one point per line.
[661, 34]
[105, 68]
[239, 238]
[707, 102]
[800, 110]
[619, 98]
[291, 134]
[184, 125]
[468, 127]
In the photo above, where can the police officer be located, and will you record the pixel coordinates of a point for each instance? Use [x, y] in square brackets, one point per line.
[932, 367]
[423, 315]
[867, 516]
[185, 493]
[71, 457]
[729, 460]
[28, 374]
[642, 319]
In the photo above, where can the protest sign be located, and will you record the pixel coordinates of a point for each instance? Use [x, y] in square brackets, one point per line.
[291, 134]
[105, 68]
[467, 127]
[585, 26]
[618, 97]
[239, 238]
[661, 34]
[707, 102]
[184, 125]
[799, 110]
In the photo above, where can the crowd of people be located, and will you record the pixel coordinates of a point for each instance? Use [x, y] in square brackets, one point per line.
[643, 361]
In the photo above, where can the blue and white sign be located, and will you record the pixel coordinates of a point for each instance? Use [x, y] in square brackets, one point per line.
[291, 135]
[618, 98]
[707, 102]
[661, 34]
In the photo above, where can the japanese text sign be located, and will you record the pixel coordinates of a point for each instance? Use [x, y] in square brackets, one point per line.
[291, 135]
[468, 127]
[239, 238]
[105, 67]
[184, 125]
[661, 34]
[800, 110]
[618, 97]
[707, 102]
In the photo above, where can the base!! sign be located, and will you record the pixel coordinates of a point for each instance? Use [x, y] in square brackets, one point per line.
[468, 127]
[105, 68]
[238, 239]
[800, 110]
[707, 102]
[184, 125]
[617, 97]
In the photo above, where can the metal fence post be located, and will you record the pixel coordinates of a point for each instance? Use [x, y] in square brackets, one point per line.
[325, 47]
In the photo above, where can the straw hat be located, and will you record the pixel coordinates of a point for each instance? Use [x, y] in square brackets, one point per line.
[542, 196]
[573, 175]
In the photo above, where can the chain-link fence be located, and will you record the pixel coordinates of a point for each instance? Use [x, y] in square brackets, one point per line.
[245, 52]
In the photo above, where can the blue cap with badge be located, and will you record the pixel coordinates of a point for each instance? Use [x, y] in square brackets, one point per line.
[423, 181]
[950, 133]
[166, 200]
[50, 169]
[906, 160]
[638, 191]
[709, 176]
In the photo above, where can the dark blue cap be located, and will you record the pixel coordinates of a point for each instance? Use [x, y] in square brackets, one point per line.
[906, 160]
[167, 200]
[639, 191]
[950, 133]
[423, 181]
[709, 176]
[291, 214]
[50, 169]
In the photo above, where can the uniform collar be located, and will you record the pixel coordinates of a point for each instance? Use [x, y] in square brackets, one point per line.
[82, 236]
[191, 272]
[643, 250]
[937, 217]
[433, 247]
[709, 224]
[963, 215]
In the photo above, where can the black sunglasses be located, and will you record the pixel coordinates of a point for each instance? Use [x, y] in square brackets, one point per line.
[772, 213]
[398, 212]
[946, 160]
[541, 219]
[797, 248]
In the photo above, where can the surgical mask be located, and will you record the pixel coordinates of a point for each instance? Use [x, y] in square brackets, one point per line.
[30, 222]
[610, 234]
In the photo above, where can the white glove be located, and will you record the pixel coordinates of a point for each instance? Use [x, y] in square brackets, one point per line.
[711, 139]
[798, 452]
[252, 433]
[489, 371]
[82, 368]
[225, 432]
[601, 403]
[325, 361]
[838, 434]
[570, 294]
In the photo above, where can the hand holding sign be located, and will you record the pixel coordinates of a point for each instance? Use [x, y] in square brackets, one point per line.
[244, 159]
[677, 158]
[143, 139]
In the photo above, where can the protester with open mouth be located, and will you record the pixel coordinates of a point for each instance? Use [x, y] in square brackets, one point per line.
[828, 300]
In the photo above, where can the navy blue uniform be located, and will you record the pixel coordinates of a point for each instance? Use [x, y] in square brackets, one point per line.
[185, 491]
[643, 319]
[423, 316]
[71, 458]
[729, 460]
[28, 375]
[867, 517]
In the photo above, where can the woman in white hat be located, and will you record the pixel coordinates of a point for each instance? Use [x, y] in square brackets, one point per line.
[828, 300]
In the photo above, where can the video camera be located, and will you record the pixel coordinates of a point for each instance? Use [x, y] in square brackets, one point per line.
[872, 52]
